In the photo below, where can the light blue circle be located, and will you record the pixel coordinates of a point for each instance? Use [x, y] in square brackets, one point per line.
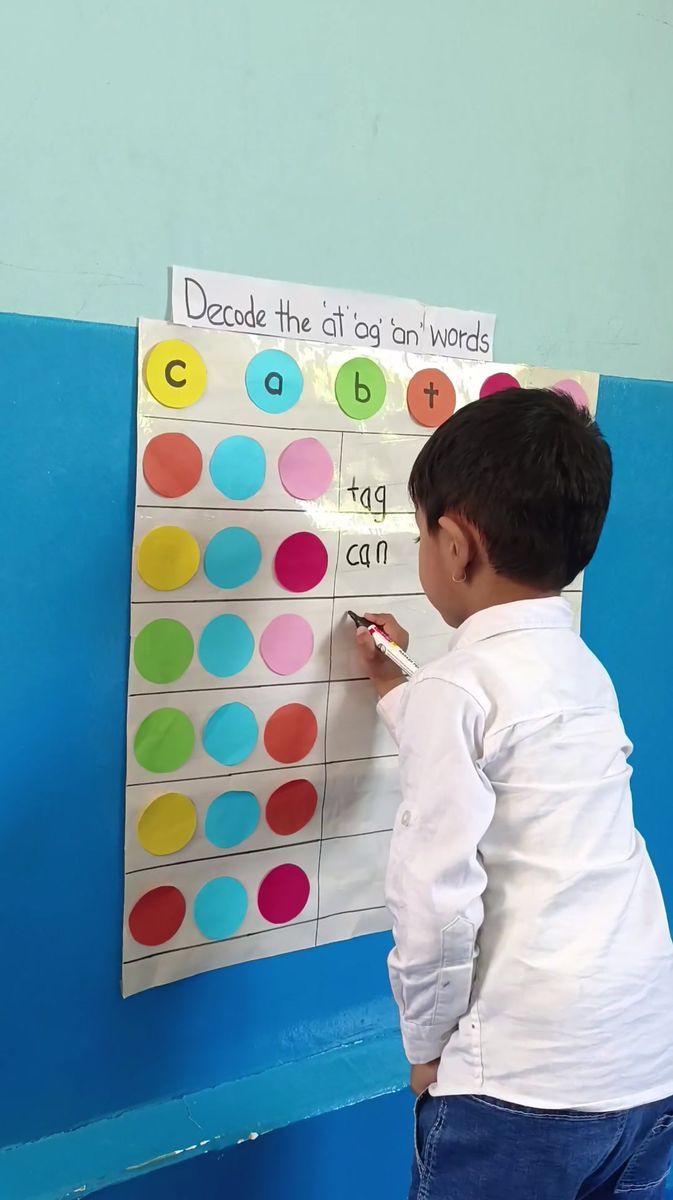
[273, 381]
[220, 907]
[230, 735]
[238, 467]
[226, 646]
[232, 558]
[231, 818]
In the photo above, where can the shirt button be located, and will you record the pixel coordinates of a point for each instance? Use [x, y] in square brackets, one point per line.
[406, 818]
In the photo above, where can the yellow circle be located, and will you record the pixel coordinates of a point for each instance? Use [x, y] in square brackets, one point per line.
[168, 557]
[175, 374]
[167, 824]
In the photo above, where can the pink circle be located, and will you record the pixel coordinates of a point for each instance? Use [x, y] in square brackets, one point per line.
[497, 383]
[300, 562]
[283, 894]
[286, 644]
[575, 390]
[306, 469]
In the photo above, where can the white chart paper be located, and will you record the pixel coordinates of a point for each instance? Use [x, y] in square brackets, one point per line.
[261, 787]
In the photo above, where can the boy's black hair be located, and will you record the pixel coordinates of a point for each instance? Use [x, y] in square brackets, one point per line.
[531, 472]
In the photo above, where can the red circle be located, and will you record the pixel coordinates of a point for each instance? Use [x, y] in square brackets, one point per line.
[157, 916]
[300, 562]
[283, 894]
[291, 807]
[499, 382]
[431, 397]
[172, 464]
[290, 733]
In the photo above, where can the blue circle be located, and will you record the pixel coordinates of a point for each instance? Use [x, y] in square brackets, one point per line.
[226, 646]
[273, 381]
[220, 907]
[230, 735]
[231, 818]
[238, 467]
[232, 558]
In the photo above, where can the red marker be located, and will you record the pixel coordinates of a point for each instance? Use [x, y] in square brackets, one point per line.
[386, 645]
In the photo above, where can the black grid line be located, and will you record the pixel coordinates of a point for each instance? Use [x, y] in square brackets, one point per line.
[331, 762]
[233, 852]
[190, 420]
[331, 645]
[241, 937]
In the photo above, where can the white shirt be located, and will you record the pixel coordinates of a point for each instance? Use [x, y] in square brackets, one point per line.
[532, 950]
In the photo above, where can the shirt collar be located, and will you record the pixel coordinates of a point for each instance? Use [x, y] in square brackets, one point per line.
[551, 613]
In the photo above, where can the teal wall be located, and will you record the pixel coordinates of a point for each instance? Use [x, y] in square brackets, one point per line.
[512, 157]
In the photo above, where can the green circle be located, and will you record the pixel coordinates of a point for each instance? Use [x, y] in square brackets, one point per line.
[164, 741]
[163, 650]
[360, 388]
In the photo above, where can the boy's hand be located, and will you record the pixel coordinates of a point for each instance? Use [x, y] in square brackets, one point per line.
[383, 673]
[422, 1076]
[390, 627]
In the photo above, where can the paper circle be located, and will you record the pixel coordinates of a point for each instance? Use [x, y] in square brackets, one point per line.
[291, 807]
[290, 733]
[306, 469]
[156, 917]
[273, 381]
[231, 819]
[232, 558]
[220, 907]
[168, 557]
[226, 646]
[301, 562]
[499, 382]
[175, 374]
[286, 644]
[431, 397]
[172, 464]
[230, 734]
[167, 824]
[570, 387]
[360, 388]
[163, 650]
[164, 741]
[283, 894]
[238, 467]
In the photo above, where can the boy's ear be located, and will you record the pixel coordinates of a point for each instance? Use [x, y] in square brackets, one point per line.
[461, 541]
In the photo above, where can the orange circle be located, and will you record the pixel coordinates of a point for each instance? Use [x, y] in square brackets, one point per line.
[431, 397]
[290, 733]
[172, 464]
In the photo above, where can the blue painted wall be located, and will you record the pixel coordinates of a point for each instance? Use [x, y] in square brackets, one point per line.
[362, 1152]
[73, 1049]
[627, 616]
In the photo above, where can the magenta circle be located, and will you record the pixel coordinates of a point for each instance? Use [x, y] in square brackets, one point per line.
[283, 894]
[306, 469]
[497, 383]
[286, 644]
[301, 562]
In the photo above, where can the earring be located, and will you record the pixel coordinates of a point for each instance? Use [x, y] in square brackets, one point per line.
[462, 578]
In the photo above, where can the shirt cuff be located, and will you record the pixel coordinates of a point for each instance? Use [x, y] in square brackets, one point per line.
[422, 1043]
[388, 709]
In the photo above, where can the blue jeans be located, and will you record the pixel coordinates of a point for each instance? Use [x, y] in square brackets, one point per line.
[476, 1148]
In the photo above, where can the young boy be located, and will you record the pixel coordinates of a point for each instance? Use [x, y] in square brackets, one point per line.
[533, 966]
